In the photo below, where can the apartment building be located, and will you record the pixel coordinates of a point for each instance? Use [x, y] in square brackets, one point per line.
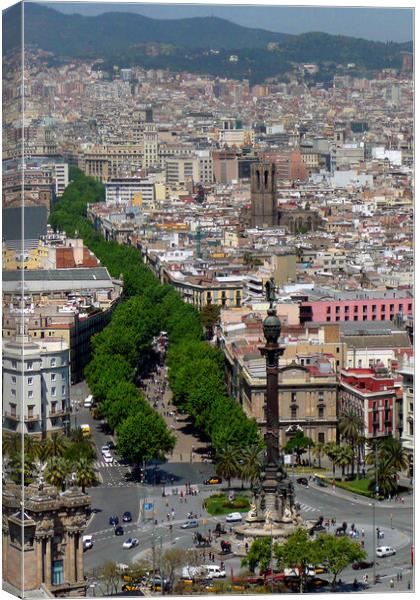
[36, 385]
[372, 394]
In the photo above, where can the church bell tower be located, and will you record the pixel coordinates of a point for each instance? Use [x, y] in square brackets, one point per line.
[264, 212]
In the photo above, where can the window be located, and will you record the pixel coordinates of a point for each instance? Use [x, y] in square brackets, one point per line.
[30, 380]
[321, 412]
[53, 362]
[356, 318]
[337, 309]
[53, 376]
[328, 310]
[13, 392]
[410, 306]
[31, 411]
[14, 364]
[321, 396]
[63, 389]
[30, 365]
[53, 407]
[391, 308]
[294, 397]
[400, 307]
[53, 391]
[57, 572]
[13, 379]
[374, 308]
[293, 412]
[321, 438]
[356, 309]
[30, 394]
[365, 308]
[382, 307]
[328, 319]
[12, 409]
[346, 309]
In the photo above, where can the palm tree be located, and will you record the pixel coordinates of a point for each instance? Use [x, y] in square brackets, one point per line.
[85, 475]
[351, 425]
[395, 454]
[344, 457]
[331, 450]
[251, 463]
[76, 435]
[56, 470]
[11, 444]
[56, 445]
[318, 451]
[385, 475]
[31, 446]
[228, 462]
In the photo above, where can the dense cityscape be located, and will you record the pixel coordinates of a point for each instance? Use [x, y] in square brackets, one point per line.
[208, 302]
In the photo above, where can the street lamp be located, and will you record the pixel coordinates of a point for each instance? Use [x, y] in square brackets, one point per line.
[374, 511]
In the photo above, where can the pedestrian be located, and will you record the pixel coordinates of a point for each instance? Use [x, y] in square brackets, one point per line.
[363, 533]
[365, 578]
[409, 585]
[391, 583]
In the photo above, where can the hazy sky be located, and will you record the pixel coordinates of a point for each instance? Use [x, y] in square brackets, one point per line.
[383, 24]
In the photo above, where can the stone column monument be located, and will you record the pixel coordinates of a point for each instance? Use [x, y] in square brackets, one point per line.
[273, 510]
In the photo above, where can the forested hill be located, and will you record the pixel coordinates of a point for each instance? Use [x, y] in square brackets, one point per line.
[198, 45]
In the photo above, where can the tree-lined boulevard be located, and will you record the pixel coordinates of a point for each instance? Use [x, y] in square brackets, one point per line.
[136, 389]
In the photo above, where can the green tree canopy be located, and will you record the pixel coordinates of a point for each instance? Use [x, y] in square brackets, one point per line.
[259, 555]
[144, 437]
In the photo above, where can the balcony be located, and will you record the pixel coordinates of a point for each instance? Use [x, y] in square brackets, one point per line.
[32, 418]
[12, 416]
[59, 413]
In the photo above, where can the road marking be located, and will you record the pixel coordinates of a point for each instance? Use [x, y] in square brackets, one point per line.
[306, 508]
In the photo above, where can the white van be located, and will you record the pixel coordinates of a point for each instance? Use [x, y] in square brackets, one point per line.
[214, 571]
[383, 551]
[88, 401]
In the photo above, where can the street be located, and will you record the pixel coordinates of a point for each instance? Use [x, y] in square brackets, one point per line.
[118, 493]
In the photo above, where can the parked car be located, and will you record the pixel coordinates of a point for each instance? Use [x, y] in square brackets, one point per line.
[108, 460]
[383, 551]
[119, 530]
[114, 520]
[190, 524]
[133, 587]
[111, 445]
[213, 480]
[87, 542]
[233, 517]
[302, 481]
[362, 564]
[88, 401]
[131, 543]
[127, 518]
[105, 450]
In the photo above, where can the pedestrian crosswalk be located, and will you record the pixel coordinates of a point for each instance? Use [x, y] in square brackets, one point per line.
[101, 464]
[306, 508]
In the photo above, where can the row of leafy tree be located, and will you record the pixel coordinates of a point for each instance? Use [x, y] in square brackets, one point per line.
[300, 552]
[195, 368]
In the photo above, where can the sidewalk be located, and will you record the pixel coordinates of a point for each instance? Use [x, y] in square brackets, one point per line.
[359, 499]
